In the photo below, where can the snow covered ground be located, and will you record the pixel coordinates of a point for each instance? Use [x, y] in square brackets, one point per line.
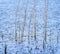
[35, 47]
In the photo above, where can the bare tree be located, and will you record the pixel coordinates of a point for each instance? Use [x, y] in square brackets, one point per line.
[29, 27]
[45, 19]
[16, 21]
[45, 22]
[5, 49]
[50, 41]
[24, 22]
[29, 31]
[58, 38]
[1, 34]
[34, 19]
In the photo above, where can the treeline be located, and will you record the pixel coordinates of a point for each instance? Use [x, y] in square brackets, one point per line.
[19, 35]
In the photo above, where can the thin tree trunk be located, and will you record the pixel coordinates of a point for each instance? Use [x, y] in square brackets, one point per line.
[5, 49]
[22, 32]
[35, 36]
[29, 28]
[29, 31]
[19, 34]
[24, 22]
[57, 39]
[50, 42]
[45, 19]
[45, 22]
[43, 45]
[2, 37]
[16, 18]
[35, 20]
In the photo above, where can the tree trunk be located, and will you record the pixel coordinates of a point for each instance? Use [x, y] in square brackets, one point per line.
[35, 20]
[45, 23]
[5, 50]
[24, 22]
[16, 18]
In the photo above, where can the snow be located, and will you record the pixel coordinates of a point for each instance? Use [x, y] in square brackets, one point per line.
[7, 23]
